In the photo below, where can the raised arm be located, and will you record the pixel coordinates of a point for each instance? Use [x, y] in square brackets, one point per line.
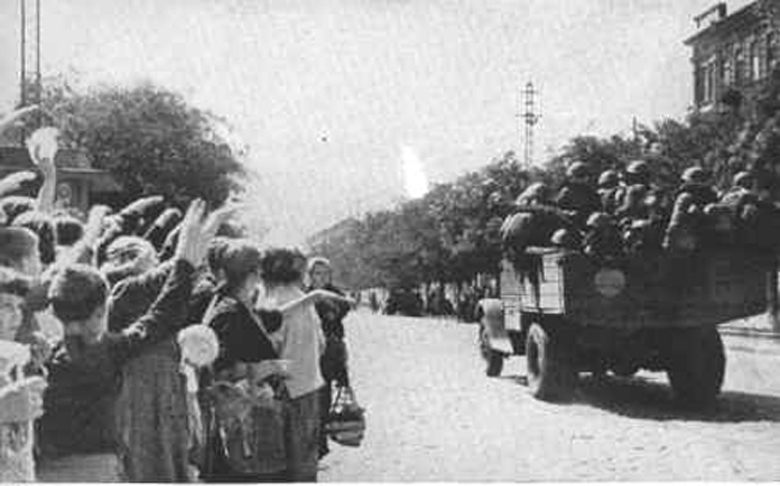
[168, 314]
[16, 117]
[42, 146]
[13, 182]
[85, 250]
[313, 297]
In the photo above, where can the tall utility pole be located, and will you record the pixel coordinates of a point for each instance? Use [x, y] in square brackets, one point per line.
[531, 118]
[30, 55]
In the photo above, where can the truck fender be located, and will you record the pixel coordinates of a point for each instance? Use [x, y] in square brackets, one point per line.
[491, 317]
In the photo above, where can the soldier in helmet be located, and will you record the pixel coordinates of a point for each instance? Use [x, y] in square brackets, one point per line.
[696, 182]
[602, 238]
[641, 209]
[630, 199]
[608, 187]
[577, 197]
[687, 226]
[741, 188]
[533, 195]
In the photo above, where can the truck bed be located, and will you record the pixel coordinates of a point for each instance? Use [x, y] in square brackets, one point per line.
[655, 290]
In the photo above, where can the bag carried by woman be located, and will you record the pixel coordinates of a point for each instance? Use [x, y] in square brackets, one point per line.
[246, 420]
[346, 422]
[250, 428]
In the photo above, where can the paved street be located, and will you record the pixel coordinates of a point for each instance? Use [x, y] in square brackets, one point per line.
[433, 415]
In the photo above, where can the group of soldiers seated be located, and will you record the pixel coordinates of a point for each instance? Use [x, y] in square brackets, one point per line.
[625, 213]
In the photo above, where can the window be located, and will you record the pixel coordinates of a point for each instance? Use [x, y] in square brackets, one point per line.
[728, 70]
[771, 54]
[698, 87]
[707, 74]
[755, 62]
[740, 66]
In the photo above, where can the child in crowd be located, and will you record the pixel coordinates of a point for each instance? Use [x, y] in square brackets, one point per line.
[302, 343]
[79, 295]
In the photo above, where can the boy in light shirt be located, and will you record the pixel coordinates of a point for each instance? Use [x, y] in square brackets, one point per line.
[301, 342]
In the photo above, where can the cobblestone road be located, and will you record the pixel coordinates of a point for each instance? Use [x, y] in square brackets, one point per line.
[433, 415]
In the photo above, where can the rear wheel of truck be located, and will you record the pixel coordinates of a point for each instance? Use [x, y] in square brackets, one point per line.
[550, 377]
[493, 359]
[697, 366]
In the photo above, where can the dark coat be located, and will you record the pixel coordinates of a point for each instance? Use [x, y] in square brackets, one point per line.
[240, 340]
[79, 401]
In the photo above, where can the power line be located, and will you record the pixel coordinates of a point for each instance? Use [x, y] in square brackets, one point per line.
[30, 56]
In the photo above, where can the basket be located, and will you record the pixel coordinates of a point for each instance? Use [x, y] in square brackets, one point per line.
[346, 423]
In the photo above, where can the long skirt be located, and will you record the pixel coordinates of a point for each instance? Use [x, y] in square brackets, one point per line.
[151, 413]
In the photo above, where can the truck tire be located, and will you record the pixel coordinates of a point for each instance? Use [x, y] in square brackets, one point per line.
[550, 377]
[493, 359]
[697, 366]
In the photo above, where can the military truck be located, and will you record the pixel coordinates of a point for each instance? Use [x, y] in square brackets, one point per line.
[658, 312]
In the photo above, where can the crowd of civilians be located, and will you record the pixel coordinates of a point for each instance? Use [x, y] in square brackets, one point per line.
[93, 313]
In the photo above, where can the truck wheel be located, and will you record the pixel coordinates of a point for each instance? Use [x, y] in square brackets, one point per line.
[493, 359]
[697, 366]
[549, 375]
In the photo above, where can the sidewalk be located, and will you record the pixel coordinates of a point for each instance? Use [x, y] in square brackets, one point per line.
[82, 468]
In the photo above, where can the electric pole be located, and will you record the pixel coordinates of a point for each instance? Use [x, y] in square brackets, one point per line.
[531, 118]
[30, 56]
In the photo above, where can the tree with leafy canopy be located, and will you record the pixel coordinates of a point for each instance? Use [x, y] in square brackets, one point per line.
[148, 137]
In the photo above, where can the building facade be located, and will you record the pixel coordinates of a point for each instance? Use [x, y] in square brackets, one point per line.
[732, 56]
[78, 183]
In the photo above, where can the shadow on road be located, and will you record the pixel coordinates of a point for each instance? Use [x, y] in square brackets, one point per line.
[639, 398]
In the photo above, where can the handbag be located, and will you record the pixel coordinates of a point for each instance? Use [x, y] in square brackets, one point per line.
[247, 432]
[250, 430]
[346, 421]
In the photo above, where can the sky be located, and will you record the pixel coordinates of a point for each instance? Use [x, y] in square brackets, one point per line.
[355, 105]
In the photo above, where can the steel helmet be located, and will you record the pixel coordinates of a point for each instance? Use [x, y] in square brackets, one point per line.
[694, 175]
[598, 220]
[638, 167]
[534, 192]
[577, 170]
[608, 178]
[742, 179]
[565, 238]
